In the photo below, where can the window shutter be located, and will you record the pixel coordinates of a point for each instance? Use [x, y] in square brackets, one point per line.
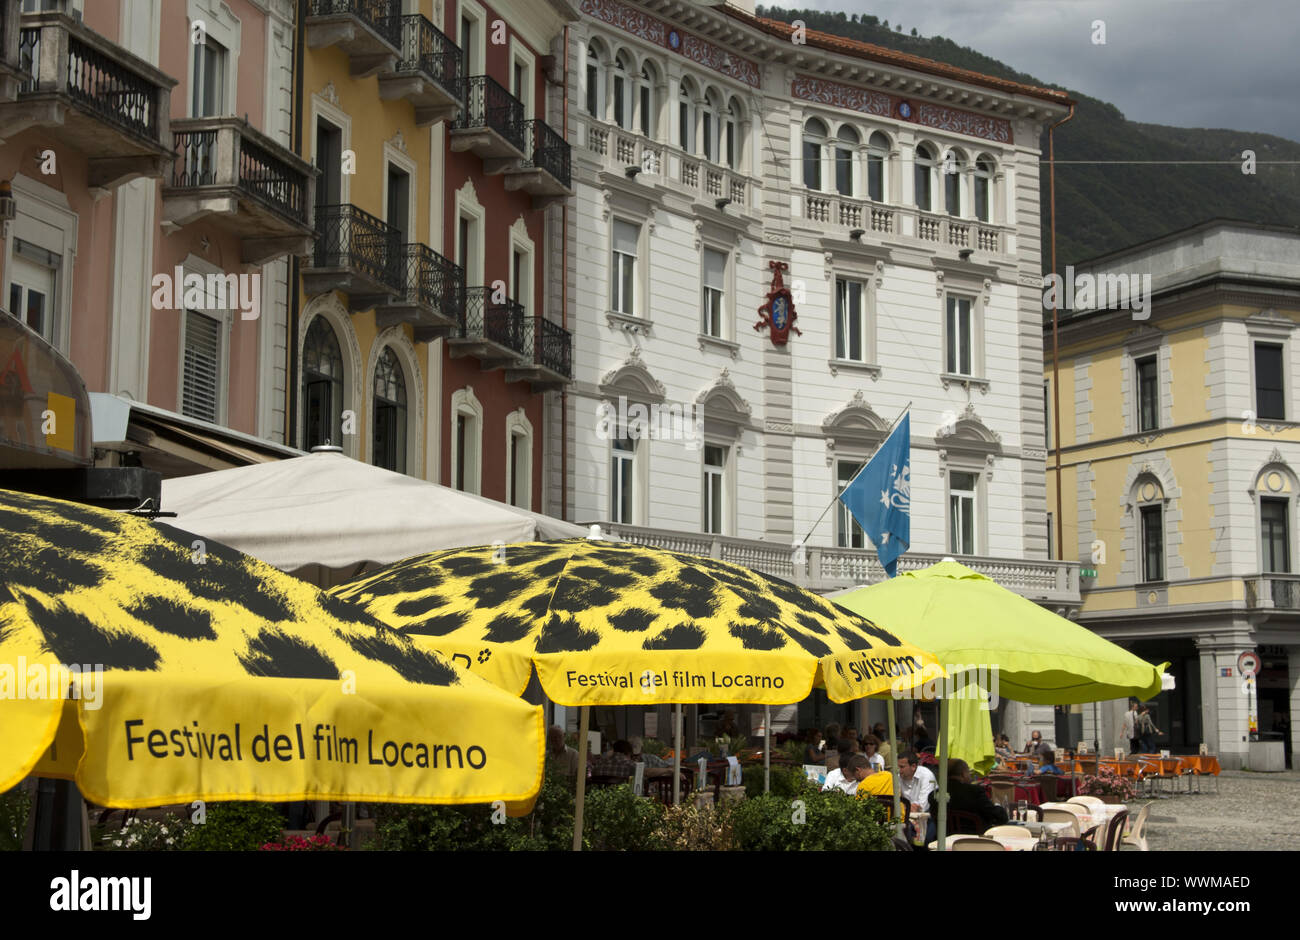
[625, 237]
[715, 269]
[202, 381]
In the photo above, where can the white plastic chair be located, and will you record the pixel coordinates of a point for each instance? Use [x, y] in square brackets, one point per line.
[1009, 836]
[976, 844]
[1136, 835]
[1094, 805]
[1051, 815]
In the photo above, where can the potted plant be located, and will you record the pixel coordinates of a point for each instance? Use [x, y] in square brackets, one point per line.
[1107, 787]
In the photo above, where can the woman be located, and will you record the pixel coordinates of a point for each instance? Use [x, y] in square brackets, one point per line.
[813, 753]
[871, 748]
[1002, 748]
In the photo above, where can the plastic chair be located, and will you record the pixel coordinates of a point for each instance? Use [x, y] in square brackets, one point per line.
[1061, 816]
[1115, 831]
[962, 822]
[1094, 804]
[976, 844]
[1020, 833]
[1002, 791]
[1047, 786]
[1136, 836]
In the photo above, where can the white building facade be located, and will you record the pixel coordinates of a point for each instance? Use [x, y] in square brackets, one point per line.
[902, 198]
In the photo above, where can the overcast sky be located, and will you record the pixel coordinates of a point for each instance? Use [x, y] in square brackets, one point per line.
[1186, 63]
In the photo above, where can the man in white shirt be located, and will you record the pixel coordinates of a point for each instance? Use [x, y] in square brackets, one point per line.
[917, 782]
[1128, 728]
[840, 778]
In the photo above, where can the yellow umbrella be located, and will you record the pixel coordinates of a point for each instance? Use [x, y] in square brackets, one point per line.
[164, 669]
[611, 623]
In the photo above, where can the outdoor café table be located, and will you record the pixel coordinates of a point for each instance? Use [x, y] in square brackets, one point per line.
[1054, 829]
[1027, 790]
[1131, 769]
[1201, 763]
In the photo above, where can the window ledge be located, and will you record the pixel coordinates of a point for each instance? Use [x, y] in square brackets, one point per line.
[718, 344]
[852, 365]
[965, 381]
[628, 323]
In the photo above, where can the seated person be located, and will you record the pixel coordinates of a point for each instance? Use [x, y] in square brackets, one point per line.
[968, 797]
[562, 758]
[921, 740]
[1049, 764]
[655, 766]
[1036, 746]
[814, 751]
[617, 763]
[841, 778]
[1002, 747]
[871, 750]
[871, 782]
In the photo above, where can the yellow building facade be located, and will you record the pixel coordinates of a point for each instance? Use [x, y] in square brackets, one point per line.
[1179, 451]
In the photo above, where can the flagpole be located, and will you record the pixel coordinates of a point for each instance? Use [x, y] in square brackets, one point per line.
[888, 431]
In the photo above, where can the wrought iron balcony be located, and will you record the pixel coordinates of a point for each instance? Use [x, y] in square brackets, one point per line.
[369, 31]
[430, 73]
[546, 172]
[89, 94]
[233, 175]
[357, 254]
[493, 331]
[1053, 584]
[1273, 591]
[491, 125]
[433, 298]
[551, 348]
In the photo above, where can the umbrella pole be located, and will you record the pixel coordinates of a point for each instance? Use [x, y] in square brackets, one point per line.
[767, 748]
[677, 753]
[893, 766]
[942, 800]
[584, 722]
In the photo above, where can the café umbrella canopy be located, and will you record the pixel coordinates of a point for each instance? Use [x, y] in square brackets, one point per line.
[609, 623]
[165, 669]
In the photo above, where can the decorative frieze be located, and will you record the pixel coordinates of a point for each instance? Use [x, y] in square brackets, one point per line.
[868, 101]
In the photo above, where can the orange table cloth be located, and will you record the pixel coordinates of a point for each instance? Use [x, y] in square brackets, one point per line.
[1201, 763]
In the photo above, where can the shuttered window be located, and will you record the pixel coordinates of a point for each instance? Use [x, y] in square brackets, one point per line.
[201, 384]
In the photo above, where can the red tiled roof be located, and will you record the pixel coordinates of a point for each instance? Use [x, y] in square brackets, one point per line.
[866, 50]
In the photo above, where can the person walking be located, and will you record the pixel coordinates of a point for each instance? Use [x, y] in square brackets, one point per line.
[1128, 730]
[1147, 731]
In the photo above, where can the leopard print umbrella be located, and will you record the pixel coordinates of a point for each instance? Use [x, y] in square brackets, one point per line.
[153, 667]
[609, 623]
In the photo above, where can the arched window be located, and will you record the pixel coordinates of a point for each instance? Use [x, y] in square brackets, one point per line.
[595, 83]
[954, 167]
[846, 152]
[322, 385]
[709, 125]
[390, 413]
[623, 92]
[877, 154]
[686, 109]
[924, 181]
[733, 145]
[814, 139]
[648, 118]
[983, 188]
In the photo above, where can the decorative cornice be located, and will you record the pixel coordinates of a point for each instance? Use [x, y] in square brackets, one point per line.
[397, 141]
[635, 364]
[879, 104]
[329, 94]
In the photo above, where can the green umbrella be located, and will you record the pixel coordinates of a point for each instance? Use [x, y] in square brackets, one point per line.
[967, 619]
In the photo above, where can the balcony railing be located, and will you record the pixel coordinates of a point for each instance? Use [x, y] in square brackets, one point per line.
[492, 112]
[850, 212]
[500, 323]
[383, 17]
[549, 151]
[227, 152]
[431, 281]
[352, 240]
[91, 94]
[430, 72]
[552, 346]
[1279, 591]
[825, 569]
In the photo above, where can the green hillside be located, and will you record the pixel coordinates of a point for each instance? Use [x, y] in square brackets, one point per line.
[1101, 208]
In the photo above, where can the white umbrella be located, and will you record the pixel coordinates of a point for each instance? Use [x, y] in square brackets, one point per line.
[328, 511]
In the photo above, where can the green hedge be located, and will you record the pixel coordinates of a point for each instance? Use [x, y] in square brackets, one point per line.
[812, 821]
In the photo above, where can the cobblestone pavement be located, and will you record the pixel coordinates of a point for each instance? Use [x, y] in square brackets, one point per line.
[1251, 812]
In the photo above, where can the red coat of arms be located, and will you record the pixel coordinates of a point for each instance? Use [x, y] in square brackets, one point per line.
[778, 313]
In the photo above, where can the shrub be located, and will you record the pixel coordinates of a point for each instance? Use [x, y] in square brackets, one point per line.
[14, 807]
[654, 746]
[235, 827]
[811, 822]
[144, 835]
[789, 782]
[616, 820]
[1107, 784]
[317, 843]
[690, 828]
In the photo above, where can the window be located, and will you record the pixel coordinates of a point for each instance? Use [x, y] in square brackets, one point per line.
[519, 470]
[959, 337]
[714, 280]
[329, 160]
[1270, 398]
[983, 188]
[209, 92]
[961, 512]
[1153, 544]
[715, 468]
[469, 43]
[1047, 414]
[594, 98]
[1051, 540]
[622, 458]
[622, 94]
[846, 149]
[322, 386]
[1276, 535]
[201, 381]
[924, 176]
[709, 130]
[390, 413]
[398, 209]
[732, 139]
[517, 275]
[686, 116]
[467, 248]
[851, 320]
[848, 534]
[877, 154]
[519, 81]
[953, 169]
[1147, 393]
[647, 102]
[462, 452]
[32, 277]
[814, 137]
[622, 284]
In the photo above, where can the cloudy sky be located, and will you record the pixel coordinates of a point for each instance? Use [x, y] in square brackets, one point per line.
[1186, 63]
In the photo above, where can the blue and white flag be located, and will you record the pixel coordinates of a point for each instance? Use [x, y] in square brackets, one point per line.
[880, 497]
